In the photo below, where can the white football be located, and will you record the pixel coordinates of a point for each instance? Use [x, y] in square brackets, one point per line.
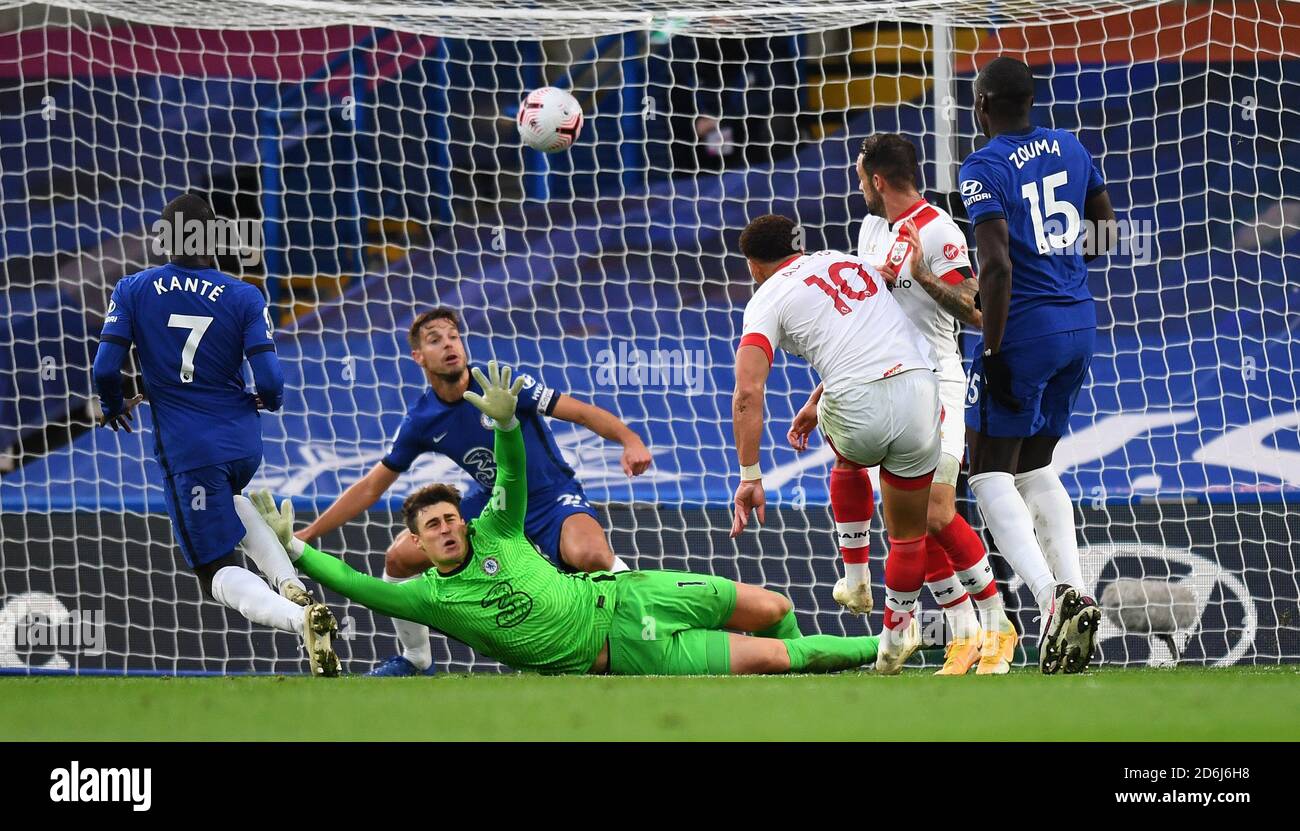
[550, 120]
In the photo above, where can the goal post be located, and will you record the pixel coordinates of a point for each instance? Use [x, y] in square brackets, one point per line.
[370, 146]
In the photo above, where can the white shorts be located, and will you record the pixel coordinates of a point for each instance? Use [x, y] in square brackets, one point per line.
[952, 430]
[893, 422]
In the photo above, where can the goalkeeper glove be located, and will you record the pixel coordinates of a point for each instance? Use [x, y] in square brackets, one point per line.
[279, 519]
[499, 397]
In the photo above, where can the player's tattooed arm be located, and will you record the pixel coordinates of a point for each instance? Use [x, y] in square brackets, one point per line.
[958, 299]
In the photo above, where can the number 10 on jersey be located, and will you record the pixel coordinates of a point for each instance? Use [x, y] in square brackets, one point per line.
[840, 291]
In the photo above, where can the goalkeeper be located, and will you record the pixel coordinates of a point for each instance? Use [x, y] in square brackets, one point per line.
[490, 589]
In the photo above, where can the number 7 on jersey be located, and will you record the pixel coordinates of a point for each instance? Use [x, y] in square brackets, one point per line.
[198, 326]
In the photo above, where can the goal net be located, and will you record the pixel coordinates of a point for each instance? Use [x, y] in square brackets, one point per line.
[368, 149]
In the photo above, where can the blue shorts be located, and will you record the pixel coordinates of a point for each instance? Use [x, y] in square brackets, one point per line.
[1046, 375]
[548, 508]
[201, 503]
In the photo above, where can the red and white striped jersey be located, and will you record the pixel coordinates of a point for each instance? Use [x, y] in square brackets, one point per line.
[944, 247]
[836, 312]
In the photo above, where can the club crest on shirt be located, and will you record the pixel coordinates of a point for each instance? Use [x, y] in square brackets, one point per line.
[491, 566]
[898, 253]
[951, 251]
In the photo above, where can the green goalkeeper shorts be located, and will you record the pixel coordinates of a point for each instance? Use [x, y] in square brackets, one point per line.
[668, 622]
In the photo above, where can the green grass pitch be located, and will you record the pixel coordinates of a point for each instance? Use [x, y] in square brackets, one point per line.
[1188, 703]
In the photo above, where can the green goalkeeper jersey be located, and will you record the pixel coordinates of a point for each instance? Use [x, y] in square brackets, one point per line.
[505, 600]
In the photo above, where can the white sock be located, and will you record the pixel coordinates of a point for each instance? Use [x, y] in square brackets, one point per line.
[1008, 519]
[264, 549]
[891, 640]
[1053, 512]
[248, 594]
[962, 620]
[993, 618]
[855, 574]
[619, 565]
[901, 607]
[413, 637]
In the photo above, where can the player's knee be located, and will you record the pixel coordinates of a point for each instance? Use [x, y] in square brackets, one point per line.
[589, 556]
[207, 571]
[775, 607]
[776, 657]
[404, 557]
[939, 513]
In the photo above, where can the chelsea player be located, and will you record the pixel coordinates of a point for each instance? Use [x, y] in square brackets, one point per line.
[1039, 209]
[193, 326]
[560, 521]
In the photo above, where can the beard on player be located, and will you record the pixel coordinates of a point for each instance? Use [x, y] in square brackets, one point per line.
[875, 199]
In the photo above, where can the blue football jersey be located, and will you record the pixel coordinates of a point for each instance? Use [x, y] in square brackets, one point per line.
[1037, 181]
[465, 435]
[192, 328]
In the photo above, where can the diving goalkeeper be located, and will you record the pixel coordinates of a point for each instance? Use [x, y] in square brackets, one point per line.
[490, 589]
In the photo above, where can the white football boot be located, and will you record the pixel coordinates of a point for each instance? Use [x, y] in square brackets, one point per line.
[855, 599]
[890, 661]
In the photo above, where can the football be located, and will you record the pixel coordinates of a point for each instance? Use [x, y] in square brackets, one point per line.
[550, 120]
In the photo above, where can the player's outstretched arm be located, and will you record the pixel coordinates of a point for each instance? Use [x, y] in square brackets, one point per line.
[636, 456]
[505, 512]
[407, 601]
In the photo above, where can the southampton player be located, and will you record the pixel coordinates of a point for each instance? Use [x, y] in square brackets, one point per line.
[193, 327]
[560, 520]
[937, 295]
[489, 589]
[1025, 193]
[880, 405]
